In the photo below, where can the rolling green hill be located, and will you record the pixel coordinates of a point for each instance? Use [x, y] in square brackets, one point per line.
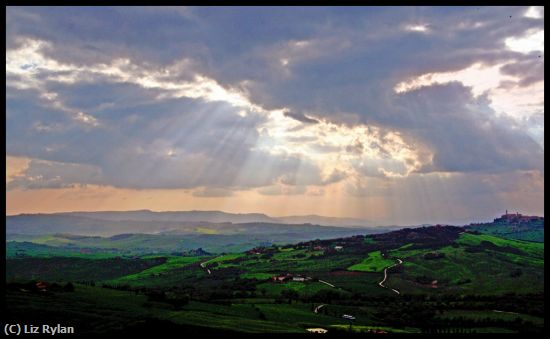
[530, 231]
[436, 273]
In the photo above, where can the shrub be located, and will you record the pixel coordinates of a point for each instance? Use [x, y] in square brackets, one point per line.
[69, 287]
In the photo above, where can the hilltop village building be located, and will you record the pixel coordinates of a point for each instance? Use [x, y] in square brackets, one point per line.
[514, 218]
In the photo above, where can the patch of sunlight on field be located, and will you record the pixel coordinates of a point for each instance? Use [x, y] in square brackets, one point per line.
[373, 263]
[204, 230]
[222, 258]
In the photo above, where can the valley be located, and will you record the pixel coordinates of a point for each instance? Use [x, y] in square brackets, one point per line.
[426, 279]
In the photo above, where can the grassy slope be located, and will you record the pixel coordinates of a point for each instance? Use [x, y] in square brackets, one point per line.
[170, 264]
[303, 288]
[489, 272]
[74, 269]
[259, 276]
[220, 262]
[99, 309]
[373, 263]
[532, 248]
[532, 232]
[484, 272]
[17, 249]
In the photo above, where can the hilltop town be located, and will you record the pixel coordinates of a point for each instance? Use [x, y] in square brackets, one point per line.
[513, 226]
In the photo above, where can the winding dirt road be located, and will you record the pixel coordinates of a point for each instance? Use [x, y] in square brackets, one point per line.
[316, 310]
[207, 269]
[326, 283]
[381, 283]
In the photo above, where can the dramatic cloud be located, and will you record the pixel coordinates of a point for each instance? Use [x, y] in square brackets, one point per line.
[340, 107]
[301, 117]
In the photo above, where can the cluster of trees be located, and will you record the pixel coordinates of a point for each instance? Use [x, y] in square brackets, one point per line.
[516, 273]
[287, 295]
[464, 281]
[160, 296]
[120, 287]
[422, 237]
[434, 255]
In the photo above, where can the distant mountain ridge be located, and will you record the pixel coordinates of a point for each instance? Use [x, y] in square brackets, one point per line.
[205, 216]
[198, 227]
[324, 221]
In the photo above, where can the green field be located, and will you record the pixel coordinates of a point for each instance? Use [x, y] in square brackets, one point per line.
[259, 276]
[373, 263]
[531, 248]
[220, 261]
[170, 264]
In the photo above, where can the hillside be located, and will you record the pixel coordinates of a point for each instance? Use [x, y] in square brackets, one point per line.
[394, 281]
[457, 259]
[526, 230]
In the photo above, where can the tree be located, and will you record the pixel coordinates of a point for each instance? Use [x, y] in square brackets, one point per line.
[289, 294]
[262, 316]
[69, 287]
[516, 273]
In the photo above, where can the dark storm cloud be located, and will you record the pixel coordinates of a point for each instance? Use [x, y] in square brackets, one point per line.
[464, 132]
[530, 69]
[337, 64]
[301, 117]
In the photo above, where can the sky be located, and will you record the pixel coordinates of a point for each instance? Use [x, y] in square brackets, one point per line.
[397, 115]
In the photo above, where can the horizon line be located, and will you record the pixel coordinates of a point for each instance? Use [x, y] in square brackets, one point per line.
[238, 213]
